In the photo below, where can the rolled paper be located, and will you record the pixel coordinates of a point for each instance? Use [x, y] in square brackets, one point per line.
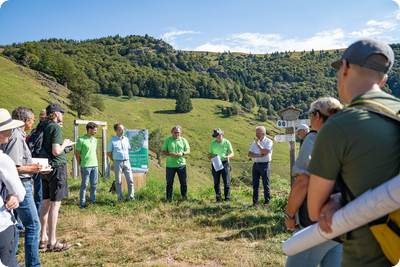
[371, 205]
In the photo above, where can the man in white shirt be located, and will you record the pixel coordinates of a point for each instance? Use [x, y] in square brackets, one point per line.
[261, 152]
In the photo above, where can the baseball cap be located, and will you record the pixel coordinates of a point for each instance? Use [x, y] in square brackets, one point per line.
[302, 127]
[55, 107]
[217, 132]
[358, 53]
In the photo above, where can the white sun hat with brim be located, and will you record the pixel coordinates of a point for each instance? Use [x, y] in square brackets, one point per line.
[6, 122]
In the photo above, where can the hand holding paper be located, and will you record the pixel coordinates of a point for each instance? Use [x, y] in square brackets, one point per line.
[217, 163]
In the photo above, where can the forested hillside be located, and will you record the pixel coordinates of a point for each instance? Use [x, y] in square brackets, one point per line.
[149, 67]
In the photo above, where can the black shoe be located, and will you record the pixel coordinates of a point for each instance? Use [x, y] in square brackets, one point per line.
[227, 199]
[256, 204]
[219, 199]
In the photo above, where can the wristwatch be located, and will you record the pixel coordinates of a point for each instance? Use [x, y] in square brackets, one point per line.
[288, 217]
[183, 153]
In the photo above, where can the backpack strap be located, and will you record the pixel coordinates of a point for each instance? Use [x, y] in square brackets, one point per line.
[376, 107]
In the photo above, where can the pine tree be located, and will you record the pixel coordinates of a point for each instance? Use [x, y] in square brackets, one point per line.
[183, 102]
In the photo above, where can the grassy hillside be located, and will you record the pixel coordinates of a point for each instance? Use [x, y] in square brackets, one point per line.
[150, 232]
[19, 88]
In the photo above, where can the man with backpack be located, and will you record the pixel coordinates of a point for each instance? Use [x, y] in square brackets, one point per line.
[356, 146]
[54, 184]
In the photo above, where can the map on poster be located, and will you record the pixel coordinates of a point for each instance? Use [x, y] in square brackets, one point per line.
[139, 150]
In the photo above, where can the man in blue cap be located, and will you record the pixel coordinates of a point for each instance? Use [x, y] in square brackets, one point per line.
[359, 146]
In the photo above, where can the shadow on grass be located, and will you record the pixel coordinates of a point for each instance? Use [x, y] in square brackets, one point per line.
[165, 112]
[256, 233]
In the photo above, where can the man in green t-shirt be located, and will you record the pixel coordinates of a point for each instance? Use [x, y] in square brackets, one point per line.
[86, 157]
[360, 146]
[54, 184]
[175, 148]
[221, 148]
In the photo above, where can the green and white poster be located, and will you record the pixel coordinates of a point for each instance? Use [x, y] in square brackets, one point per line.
[139, 150]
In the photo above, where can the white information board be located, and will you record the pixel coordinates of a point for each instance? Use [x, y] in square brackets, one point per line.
[298, 122]
[285, 138]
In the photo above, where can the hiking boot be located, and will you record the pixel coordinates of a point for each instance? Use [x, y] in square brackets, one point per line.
[219, 198]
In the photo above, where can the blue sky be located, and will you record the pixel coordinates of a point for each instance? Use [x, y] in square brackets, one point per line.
[254, 26]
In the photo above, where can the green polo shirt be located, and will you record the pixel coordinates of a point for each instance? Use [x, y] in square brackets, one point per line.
[175, 146]
[363, 148]
[87, 146]
[222, 148]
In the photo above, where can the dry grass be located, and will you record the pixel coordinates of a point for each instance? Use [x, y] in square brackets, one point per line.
[152, 232]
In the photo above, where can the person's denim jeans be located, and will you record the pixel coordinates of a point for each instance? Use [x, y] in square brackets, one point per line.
[170, 174]
[225, 173]
[7, 246]
[125, 167]
[328, 254]
[28, 215]
[37, 191]
[92, 174]
[263, 171]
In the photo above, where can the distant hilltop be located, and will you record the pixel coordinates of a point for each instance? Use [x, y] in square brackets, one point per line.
[149, 67]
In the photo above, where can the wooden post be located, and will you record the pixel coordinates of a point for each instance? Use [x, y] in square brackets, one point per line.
[75, 167]
[106, 160]
[291, 114]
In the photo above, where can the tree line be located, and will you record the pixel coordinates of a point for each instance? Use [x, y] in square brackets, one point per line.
[149, 67]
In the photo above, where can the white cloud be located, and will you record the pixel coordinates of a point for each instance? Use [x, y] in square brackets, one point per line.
[212, 47]
[2, 2]
[397, 15]
[171, 36]
[365, 33]
[384, 24]
[266, 43]
[260, 43]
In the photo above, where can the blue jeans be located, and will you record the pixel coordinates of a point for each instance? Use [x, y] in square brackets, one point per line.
[328, 254]
[7, 245]
[28, 215]
[261, 170]
[37, 191]
[225, 173]
[170, 173]
[125, 167]
[92, 174]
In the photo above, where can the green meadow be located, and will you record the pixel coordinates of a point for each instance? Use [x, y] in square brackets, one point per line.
[150, 231]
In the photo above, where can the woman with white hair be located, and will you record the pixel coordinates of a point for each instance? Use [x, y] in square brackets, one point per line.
[11, 193]
[329, 253]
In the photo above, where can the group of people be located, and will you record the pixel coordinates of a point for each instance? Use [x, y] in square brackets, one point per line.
[348, 152]
[176, 147]
[17, 170]
[351, 144]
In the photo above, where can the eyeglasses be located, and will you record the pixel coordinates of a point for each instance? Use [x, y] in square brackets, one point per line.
[176, 132]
